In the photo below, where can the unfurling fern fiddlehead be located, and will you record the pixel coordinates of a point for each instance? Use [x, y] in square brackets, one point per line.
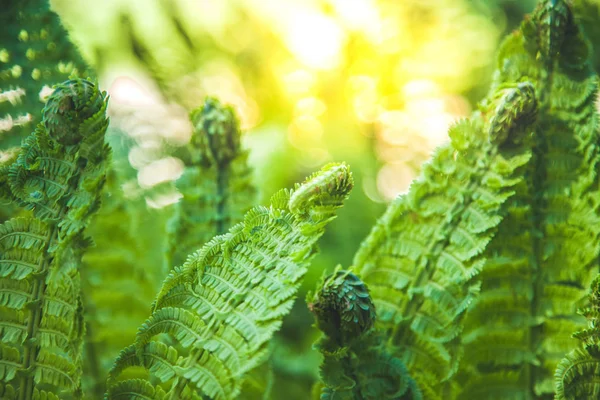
[356, 364]
[545, 253]
[224, 304]
[577, 376]
[58, 175]
[422, 259]
[215, 184]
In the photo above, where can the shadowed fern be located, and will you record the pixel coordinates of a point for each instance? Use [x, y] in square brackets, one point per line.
[35, 53]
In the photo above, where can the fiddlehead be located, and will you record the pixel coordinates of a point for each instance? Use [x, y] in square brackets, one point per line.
[515, 106]
[58, 174]
[229, 297]
[215, 184]
[356, 365]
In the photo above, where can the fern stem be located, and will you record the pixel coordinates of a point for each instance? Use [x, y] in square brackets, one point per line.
[222, 183]
[39, 288]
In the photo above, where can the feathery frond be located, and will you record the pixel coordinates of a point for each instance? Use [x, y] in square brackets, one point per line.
[546, 250]
[229, 298]
[422, 259]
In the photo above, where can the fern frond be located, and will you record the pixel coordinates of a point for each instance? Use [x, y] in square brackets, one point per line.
[546, 250]
[41, 317]
[237, 289]
[422, 259]
[356, 365]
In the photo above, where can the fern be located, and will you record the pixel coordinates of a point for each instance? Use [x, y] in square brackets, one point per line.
[422, 259]
[227, 300]
[57, 175]
[578, 374]
[546, 250]
[215, 184]
[356, 364]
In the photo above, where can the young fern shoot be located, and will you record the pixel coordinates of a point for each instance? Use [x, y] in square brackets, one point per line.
[356, 364]
[216, 182]
[58, 175]
[224, 304]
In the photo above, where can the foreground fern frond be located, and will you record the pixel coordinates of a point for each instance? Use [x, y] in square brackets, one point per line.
[58, 175]
[577, 376]
[224, 304]
[545, 253]
[422, 259]
[356, 363]
[215, 183]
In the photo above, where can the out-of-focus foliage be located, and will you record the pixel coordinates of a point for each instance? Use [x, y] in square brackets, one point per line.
[121, 274]
[215, 183]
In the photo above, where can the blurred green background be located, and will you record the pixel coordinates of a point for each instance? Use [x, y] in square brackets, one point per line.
[375, 83]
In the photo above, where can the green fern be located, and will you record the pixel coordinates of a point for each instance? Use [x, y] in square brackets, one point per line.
[356, 364]
[57, 175]
[215, 184]
[546, 250]
[422, 259]
[577, 376]
[224, 304]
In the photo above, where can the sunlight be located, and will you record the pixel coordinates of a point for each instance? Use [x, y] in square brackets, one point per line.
[315, 39]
